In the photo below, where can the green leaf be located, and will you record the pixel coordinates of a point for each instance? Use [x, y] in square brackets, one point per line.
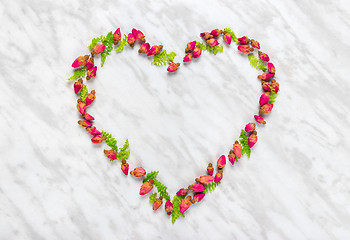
[95, 41]
[78, 73]
[211, 187]
[257, 62]
[273, 95]
[214, 50]
[83, 93]
[122, 44]
[161, 188]
[163, 58]
[153, 197]
[175, 214]
[150, 175]
[243, 139]
[233, 35]
[110, 141]
[109, 43]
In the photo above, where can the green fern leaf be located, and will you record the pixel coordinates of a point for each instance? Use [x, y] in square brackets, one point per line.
[83, 93]
[175, 214]
[211, 187]
[78, 73]
[153, 197]
[257, 62]
[150, 175]
[273, 95]
[162, 189]
[122, 44]
[243, 139]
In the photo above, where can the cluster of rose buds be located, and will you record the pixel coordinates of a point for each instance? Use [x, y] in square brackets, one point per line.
[252, 134]
[192, 51]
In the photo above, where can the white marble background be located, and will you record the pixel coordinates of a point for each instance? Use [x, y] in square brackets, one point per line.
[55, 185]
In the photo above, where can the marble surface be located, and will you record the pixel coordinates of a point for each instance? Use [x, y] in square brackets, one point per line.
[55, 185]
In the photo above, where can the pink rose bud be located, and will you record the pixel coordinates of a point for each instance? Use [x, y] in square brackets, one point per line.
[275, 85]
[78, 86]
[244, 40]
[190, 46]
[212, 42]
[117, 36]
[227, 38]
[91, 73]
[197, 187]
[88, 117]
[237, 149]
[110, 154]
[265, 86]
[124, 167]
[216, 32]
[169, 207]
[265, 108]
[157, 203]
[271, 68]
[264, 98]
[84, 123]
[198, 197]
[98, 48]
[138, 35]
[206, 35]
[98, 139]
[264, 56]
[250, 127]
[231, 157]
[182, 192]
[146, 187]
[252, 139]
[138, 172]
[259, 119]
[265, 76]
[90, 64]
[80, 61]
[210, 169]
[255, 44]
[205, 179]
[221, 161]
[93, 131]
[173, 67]
[188, 57]
[218, 176]
[144, 48]
[90, 98]
[245, 48]
[185, 204]
[81, 106]
[131, 39]
[196, 52]
[155, 50]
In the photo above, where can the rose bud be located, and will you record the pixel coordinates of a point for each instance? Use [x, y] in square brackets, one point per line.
[196, 187]
[157, 203]
[173, 67]
[144, 48]
[271, 68]
[227, 38]
[190, 46]
[237, 149]
[198, 197]
[264, 56]
[196, 52]
[212, 42]
[80, 61]
[84, 123]
[221, 161]
[98, 48]
[138, 35]
[266, 86]
[146, 187]
[185, 204]
[252, 139]
[138, 172]
[265, 76]
[88, 117]
[265, 108]
[231, 157]
[111, 154]
[91, 73]
[90, 98]
[250, 127]
[78, 86]
[125, 167]
[244, 40]
[218, 176]
[264, 98]
[187, 58]
[275, 85]
[93, 131]
[155, 50]
[81, 106]
[216, 32]
[117, 36]
[205, 179]
[169, 207]
[210, 169]
[206, 35]
[255, 44]
[131, 39]
[182, 192]
[98, 139]
[259, 119]
[245, 48]
[90, 64]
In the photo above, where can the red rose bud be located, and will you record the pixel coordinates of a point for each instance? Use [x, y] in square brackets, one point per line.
[265, 76]
[138, 172]
[264, 98]
[252, 139]
[98, 48]
[212, 42]
[198, 197]
[91, 73]
[245, 48]
[182, 192]
[259, 119]
[88, 117]
[111, 154]
[98, 139]
[275, 85]
[244, 40]
[237, 149]
[196, 52]
[146, 187]
[250, 127]
[125, 167]
[255, 44]
[93, 131]
[155, 50]
[264, 56]
[173, 67]
[131, 39]
[144, 48]
[81, 106]
[218, 176]
[90, 98]
[221, 161]
[231, 157]
[190, 46]
[157, 203]
[80, 61]
[197, 187]
[271, 68]
[138, 35]
[185, 204]
[169, 207]
[206, 35]
[78, 86]
[266, 86]
[117, 36]
[210, 169]
[227, 38]
[90, 64]
[205, 179]
[265, 108]
[84, 123]
[216, 32]
[188, 57]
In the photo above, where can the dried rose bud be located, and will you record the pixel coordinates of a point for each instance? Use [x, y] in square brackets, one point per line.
[197, 52]
[218, 176]
[255, 44]
[265, 108]
[190, 46]
[244, 40]
[81, 106]
[216, 32]
[91, 73]
[231, 157]
[271, 68]
[98, 139]
[185, 204]
[237, 149]
[88, 117]
[212, 42]
[110, 154]
[98, 48]
[138, 172]
[90, 98]
[84, 123]
[144, 48]
[80, 61]
[117, 36]
[265, 76]
[90, 64]
[221, 161]
[157, 203]
[266, 86]
[250, 127]
[210, 169]
[259, 119]
[227, 38]
[206, 35]
[264, 56]
[188, 57]
[264, 98]
[78, 86]
[173, 67]
[124, 167]
[138, 35]
[275, 85]
[182, 191]
[131, 39]
[252, 139]
[245, 48]
[146, 187]
[205, 179]
[93, 131]
[155, 50]
[198, 197]
[169, 207]
[196, 187]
